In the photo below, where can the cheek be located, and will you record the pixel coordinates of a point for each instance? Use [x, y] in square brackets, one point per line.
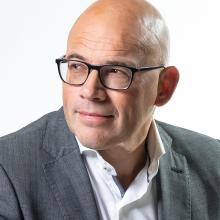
[69, 105]
[127, 105]
[66, 96]
[69, 96]
[144, 97]
[148, 87]
[69, 100]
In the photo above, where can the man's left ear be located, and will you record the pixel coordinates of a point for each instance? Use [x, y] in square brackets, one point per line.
[168, 81]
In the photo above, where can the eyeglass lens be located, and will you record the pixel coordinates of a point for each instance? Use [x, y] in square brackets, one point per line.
[76, 73]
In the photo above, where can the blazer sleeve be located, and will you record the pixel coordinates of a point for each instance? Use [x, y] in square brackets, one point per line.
[9, 205]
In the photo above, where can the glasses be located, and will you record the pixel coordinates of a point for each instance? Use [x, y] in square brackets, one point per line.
[115, 77]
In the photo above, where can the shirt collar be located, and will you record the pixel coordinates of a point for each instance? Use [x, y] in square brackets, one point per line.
[154, 142]
[86, 152]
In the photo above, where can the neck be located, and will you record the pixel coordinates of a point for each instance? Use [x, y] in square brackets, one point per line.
[127, 164]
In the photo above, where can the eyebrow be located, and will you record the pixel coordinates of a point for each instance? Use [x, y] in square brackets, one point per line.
[75, 55]
[108, 62]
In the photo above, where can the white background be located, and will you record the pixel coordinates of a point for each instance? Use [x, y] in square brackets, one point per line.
[33, 33]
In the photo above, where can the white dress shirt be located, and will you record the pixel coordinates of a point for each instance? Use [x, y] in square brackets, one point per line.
[139, 201]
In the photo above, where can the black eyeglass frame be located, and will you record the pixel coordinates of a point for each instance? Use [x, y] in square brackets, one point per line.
[98, 67]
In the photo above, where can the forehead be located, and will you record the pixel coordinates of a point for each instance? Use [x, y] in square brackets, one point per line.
[102, 40]
[106, 36]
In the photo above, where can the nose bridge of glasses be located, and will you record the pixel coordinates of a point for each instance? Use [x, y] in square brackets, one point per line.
[93, 67]
[97, 77]
[98, 69]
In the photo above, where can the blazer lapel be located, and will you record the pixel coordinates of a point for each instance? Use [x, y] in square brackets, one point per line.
[173, 183]
[66, 173]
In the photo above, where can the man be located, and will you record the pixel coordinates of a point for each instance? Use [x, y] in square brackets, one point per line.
[103, 156]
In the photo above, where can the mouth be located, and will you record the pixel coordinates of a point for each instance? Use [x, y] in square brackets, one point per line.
[93, 118]
[91, 114]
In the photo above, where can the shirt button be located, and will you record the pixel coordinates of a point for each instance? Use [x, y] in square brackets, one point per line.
[108, 169]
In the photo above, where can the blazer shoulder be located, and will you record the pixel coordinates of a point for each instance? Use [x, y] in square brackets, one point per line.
[186, 136]
[200, 150]
[27, 137]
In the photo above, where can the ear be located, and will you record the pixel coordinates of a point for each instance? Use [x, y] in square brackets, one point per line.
[168, 81]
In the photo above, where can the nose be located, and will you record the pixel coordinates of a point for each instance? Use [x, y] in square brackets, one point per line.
[92, 89]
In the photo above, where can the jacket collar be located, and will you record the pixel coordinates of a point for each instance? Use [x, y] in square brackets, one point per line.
[65, 171]
[173, 182]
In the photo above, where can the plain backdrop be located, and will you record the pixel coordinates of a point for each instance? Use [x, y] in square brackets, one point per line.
[33, 33]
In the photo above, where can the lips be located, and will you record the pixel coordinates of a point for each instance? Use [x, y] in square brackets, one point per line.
[91, 114]
[94, 119]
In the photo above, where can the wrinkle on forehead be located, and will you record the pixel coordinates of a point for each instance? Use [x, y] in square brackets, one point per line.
[105, 48]
[105, 42]
[100, 43]
[140, 26]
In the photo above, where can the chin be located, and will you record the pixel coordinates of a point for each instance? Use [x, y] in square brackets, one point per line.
[96, 142]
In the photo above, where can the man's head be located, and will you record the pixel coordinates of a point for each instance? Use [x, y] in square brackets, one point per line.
[127, 32]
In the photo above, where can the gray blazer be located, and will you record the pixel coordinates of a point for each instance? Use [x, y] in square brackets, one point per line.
[42, 175]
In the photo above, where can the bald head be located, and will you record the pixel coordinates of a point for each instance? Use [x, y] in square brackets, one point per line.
[136, 22]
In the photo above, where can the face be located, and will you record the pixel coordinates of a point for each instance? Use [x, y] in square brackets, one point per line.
[102, 118]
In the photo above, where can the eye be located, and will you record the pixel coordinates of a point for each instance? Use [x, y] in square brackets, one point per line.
[111, 70]
[117, 71]
[76, 66]
[114, 70]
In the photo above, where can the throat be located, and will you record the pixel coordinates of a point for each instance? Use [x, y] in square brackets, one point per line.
[127, 166]
[126, 179]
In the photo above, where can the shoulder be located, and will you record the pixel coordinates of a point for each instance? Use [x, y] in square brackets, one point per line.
[181, 136]
[201, 152]
[25, 140]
